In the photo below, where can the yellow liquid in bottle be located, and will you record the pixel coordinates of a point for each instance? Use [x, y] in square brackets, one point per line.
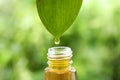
[60, 70]
[59, 61]
[60, 74]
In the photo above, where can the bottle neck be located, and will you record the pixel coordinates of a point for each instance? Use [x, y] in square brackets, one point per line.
[59, 58]
[60, 63]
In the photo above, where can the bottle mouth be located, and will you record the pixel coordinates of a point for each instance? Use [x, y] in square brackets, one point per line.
[59, 52]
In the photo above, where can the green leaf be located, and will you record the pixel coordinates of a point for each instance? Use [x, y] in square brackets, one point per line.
[58, 15]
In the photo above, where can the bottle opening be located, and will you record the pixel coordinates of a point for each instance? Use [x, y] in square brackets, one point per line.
[59, 52]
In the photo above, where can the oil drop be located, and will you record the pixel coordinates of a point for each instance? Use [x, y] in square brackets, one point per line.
[57, 41]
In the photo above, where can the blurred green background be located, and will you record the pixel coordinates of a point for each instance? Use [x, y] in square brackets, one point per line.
[94, 38]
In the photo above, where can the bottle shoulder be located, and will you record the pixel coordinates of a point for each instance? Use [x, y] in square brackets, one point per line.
[71, 69]
[67, 74]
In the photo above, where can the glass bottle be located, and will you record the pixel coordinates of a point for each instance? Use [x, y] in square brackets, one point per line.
[59, 64]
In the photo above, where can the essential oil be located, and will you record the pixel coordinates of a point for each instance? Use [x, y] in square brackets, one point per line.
[59, 64]
[57, 41]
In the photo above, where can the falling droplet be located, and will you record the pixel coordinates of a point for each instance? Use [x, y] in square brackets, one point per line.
[57, 41]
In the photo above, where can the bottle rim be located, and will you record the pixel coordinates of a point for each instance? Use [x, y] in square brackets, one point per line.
[59, 51]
